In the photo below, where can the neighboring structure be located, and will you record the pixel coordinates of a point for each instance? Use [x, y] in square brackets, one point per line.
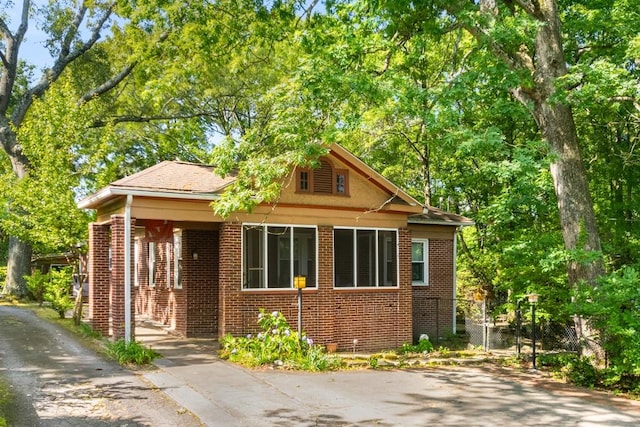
[371, 255]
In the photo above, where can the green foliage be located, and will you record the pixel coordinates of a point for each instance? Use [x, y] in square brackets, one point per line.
[37, 285]
[58, 291]
[132, 353]
[53, 287]
[424, 346]
[614, 309]
[88, 332]
[277, 344]
[6, 399]
[3, 275]
[571, 367]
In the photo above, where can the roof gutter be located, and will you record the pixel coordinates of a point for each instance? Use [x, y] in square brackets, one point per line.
[108, 192]
[440, 222]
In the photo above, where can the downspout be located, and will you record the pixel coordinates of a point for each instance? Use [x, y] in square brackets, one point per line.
[455, 274]
[127, 269]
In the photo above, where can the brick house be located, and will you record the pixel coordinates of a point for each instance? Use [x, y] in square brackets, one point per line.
[372, 256]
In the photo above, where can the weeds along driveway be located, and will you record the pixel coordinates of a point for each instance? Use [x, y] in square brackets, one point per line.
[56, 381]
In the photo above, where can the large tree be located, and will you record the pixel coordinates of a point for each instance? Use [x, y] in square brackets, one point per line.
[130, 84]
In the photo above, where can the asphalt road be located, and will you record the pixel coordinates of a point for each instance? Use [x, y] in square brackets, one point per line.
[56, 381]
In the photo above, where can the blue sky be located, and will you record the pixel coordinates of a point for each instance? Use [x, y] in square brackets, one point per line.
[32, 49]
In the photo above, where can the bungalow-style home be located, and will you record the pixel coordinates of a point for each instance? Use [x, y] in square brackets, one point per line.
[372, 256]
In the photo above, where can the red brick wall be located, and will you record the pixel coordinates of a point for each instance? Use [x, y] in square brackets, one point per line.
[118, 277]
[99, 277]
[200, 282]
[433, 304]
[377, 318]
[230, 318]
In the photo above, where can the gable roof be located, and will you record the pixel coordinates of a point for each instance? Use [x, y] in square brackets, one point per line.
[183, 180]
[194, 181]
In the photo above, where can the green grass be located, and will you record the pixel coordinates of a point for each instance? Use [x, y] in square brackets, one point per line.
[6, 399]
[132, 353]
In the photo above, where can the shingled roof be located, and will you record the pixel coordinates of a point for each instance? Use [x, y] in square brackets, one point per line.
[176, 176]
[168, 179]
[431, 215]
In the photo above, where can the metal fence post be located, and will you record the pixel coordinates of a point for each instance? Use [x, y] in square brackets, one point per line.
[518, 330]
[485, 341]
[438, 321]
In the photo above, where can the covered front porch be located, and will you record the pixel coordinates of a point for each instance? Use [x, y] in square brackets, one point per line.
[170, 278]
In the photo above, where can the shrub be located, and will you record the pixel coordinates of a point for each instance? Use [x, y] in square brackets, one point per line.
[3, 275]
[424, 346]
[132, 353]
[571, 367]
[276, 344]
[53, 287]
[37, 286]
[614, 308]
[57, 291]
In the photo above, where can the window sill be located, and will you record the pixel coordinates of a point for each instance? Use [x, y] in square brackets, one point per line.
[276, 291]
[367, 289]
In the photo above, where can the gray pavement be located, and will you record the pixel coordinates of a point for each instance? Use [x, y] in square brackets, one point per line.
[50, 379]
[223, 394]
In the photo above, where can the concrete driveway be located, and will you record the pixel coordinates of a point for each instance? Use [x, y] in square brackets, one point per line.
[223, 394]
[58, 382]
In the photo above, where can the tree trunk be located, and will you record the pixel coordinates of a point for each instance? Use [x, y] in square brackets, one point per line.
[18, 266]
[555, 120]
[19, 260]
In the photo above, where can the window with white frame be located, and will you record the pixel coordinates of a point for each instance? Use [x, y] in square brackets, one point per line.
[420, 262]
[365, 257]
[136, 262]
[177, 259]
[167, 257]
[152, 264]
[274, 254]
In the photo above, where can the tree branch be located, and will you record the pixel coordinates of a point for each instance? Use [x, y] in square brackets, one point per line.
[108, 85]
[528, 6]
[10, 57]
[65, 58]
[147, 119]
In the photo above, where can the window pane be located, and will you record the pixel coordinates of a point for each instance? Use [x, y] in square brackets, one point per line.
[304, 181]
[340, 183]
[304, 254]
[417, 272]
[418, 262]
[279, 257]
[417, 251]
[366, 257]
[253, 257]
[387, 258]
[343, 258]
[177, 260]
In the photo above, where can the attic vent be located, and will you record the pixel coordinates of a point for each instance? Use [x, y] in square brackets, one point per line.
[323, 178]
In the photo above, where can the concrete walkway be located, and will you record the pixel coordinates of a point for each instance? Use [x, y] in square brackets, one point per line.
[223, 394]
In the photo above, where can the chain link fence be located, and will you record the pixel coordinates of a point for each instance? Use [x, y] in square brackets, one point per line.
[512, 332]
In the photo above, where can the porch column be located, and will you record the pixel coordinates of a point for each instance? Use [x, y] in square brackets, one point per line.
[230, 279]
[99, 277]
[405, 296]
[326, 297]
[118, 277]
